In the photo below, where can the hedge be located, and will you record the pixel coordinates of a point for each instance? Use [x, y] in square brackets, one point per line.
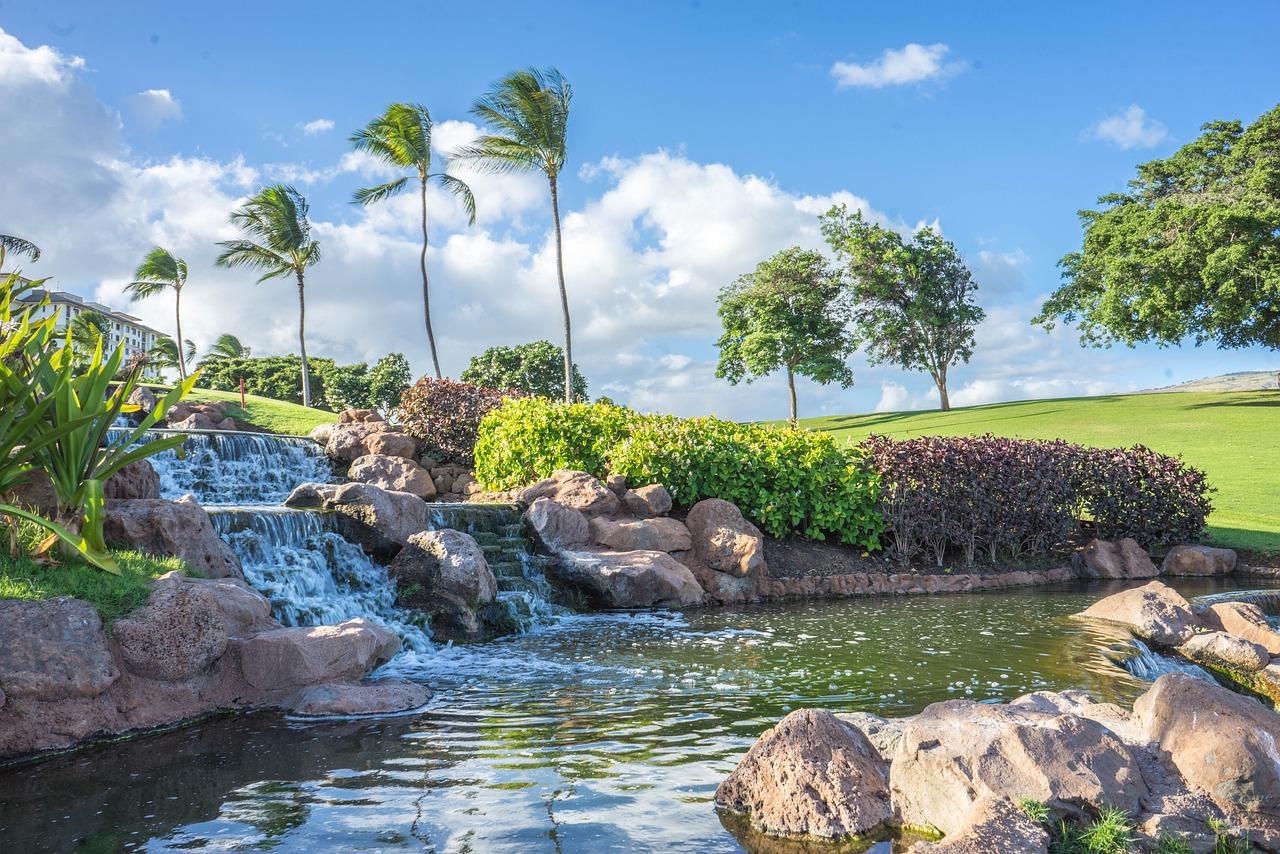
[445, 415]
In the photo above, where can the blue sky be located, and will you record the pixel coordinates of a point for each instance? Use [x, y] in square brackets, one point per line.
[704, 136]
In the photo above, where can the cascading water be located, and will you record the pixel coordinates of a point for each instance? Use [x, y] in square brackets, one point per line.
[1146, 664]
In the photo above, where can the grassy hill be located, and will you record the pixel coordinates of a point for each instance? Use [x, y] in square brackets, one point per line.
[1233, 436]
[274, 416]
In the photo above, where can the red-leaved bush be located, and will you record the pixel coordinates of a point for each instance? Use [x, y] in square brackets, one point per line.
[445, 415]
[1015, 498]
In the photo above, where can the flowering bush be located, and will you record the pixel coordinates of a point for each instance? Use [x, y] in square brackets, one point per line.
[445, 415]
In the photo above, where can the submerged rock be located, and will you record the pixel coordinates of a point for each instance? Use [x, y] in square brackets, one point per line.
[811, 775]
[634, 579]
[372, 698]
[445, 574]
[723, 539]
[1155, 612]
[1198, 560]
[180, 529]
[1123, 559]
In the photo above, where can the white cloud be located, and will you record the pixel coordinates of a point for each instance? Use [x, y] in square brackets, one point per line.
[894, 397]
[22, 65]
[1129, 129]
[913, 63]
[154, 107]
[317, 126]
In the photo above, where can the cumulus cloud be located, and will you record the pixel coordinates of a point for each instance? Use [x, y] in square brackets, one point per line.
[153, 107]
[914, 63]
[317, 126]
[1131, 128]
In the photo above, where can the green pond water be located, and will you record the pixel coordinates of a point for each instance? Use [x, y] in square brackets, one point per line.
[597, 733]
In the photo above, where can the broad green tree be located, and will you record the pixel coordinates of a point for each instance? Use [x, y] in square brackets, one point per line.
[1190, 250]
[534, 368]
[278, 243]
[913, 300]
[789, 314]
[526, 118]
[163, 271]
[401, 137]
[389, 378]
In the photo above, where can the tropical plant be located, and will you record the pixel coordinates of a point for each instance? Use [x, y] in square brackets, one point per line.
[163, 271]
[10, 244]
[279, 244]
[86, 331]
[526, 117]
[534, 368]
[227, 346]
[164, 353]
[789, 314]
[401, 137]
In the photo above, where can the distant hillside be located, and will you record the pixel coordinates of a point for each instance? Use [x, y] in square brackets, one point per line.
[1239, 381]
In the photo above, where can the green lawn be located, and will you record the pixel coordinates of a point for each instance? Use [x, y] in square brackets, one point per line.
[112, 595]
[1233, 436]
[274, 416]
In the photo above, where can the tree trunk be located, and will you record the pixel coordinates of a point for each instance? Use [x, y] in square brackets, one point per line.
[564, 294]
[177, 316]
[426, 285]
[940, 380]
[791, 389]
[302, 340]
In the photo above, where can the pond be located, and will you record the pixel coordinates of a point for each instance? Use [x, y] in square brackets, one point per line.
[598, 733]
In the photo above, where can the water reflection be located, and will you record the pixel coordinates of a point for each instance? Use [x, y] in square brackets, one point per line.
[601, 733]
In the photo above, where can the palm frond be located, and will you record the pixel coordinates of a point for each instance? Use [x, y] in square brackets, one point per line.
[526, 115]
[372, 195]
[461, 192]
[11, 245]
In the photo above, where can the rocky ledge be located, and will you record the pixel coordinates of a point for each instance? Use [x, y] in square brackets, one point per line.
[197, 646]
[1190, 757]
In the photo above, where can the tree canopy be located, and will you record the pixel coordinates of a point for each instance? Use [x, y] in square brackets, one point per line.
[1190, 250]
[913, 300]
[534, 368]
[789, 314]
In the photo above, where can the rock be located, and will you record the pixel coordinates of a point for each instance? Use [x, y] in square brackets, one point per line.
[34, 492]
[647, 501]
[136, 480]
[1155, 612]
[445, 574]
[346, 439]
[244, 609]
[723, 539]
[53, 649]
[321, 433]
[993, 826]
[227, 424]
[464, 484]
[636, 579]
[290, 658]
[1221, 648]
[1185, 816]
[143, 398]
[179, 632]
[195, 421]
[556, 525]
[575, 489]
[180, 529]
[617, 484]
[1221, 742]
[377, 698]
[662, 535]
[1198, 560]
[1125, 559]
[443, 483]
[884, 733]
[395, 515]
[394, 473]
[1244, 620]
[360, 416]
[392, 445]
[811, 775]
[957, 752]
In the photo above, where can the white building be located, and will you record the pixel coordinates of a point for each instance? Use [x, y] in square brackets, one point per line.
[122, 328]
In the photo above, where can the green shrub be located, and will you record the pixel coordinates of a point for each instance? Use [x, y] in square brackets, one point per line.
[526, 439]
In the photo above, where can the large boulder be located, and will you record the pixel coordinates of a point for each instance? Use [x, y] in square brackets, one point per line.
[180, 529]
[662, 535]
[1125, 559]
[811, 775]
[195, 421]
[723, 539]
[392, 444]
[1244, 620]
[53, 649]
[957, 752]
[395, 515]
[993, 826]
[445, 574]
[321, 433]
[346, 439]
[575, 489]
[647, 501]
[1155, 612]
[394, 473]
[1198, 560]
[1220, 648]
[143, 398]
[244, 609]
[290, 658]
[179, 632]
[136, 480]
[360, 700]
[1221, 742]
[558, 526]
[34, 491]
[636, 579]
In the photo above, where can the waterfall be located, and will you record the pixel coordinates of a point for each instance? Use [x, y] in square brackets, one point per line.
[1146, 664]
[236, 468]
[1268, 601]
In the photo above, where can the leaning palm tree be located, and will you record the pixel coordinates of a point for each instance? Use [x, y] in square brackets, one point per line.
[401, 137]
[276, 218]
[527, 118]
[17, 246]
[164, 354]
[162, 271]
[227, 346]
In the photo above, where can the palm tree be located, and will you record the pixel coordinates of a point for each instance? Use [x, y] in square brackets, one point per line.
[164, 353]
[527, 119]
[401, 137]
[18, 246]
[227, 346]
[87, 329]
[276, 217]
[162, 271]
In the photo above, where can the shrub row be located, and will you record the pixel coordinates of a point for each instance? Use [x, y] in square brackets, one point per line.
[445, 415]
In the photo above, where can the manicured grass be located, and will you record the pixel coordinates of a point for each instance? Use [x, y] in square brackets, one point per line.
[1233, 436]
[274, 416]
[112, 595]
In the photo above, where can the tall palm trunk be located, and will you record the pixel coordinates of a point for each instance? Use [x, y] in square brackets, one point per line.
[426, 285]
[177, 317]
[564, 294]
[302, 340]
